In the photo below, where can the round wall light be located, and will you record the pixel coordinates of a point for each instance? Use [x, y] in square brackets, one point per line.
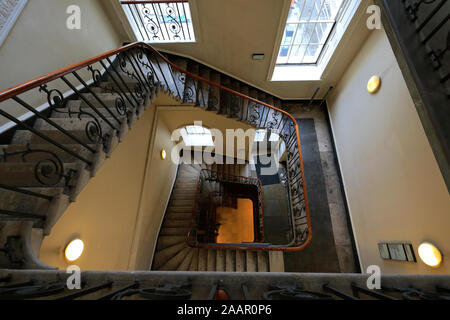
[374, 84]
[74, 250]
[430, 255]
[163, 154]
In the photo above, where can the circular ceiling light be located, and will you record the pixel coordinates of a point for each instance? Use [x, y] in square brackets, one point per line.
[163, 154]
[374, 84]
[74, 250]
[430, 255]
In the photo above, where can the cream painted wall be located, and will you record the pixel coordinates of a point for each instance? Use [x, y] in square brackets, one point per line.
[104, 215]
[394, 187]
[40, 43]
[179, 117]
[159, 180]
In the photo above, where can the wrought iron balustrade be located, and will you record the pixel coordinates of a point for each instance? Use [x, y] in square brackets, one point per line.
[36, 285]
[419, 33]
[102, 97]
[431, 19]
[161, 21]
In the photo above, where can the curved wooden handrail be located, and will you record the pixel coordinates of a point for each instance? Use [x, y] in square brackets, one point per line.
[26, 86]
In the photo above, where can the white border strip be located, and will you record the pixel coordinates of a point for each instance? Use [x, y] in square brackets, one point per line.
[11, 18]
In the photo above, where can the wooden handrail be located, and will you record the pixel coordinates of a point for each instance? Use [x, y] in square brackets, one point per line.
[26, 86]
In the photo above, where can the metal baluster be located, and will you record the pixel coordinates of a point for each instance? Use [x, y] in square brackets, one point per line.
[185, 18]
[181, 23]
[123, 81]
[138, 76]
[29, 193]
[142, 22]
[39, 134]
[18, 214]
[121, 93]
[98, 99]
[136, 21]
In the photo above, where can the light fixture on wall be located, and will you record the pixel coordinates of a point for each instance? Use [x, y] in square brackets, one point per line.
[163, 154]
[430, 255]
[258, 56]
[374, 84]
[74, 250]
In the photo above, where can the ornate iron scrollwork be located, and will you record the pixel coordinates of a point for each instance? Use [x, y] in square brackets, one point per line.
[93, 128]
[123, 64]
[151, 25]
[174, 25]
[275, 120]
[121, 106]
[166, 292]
[254, 113]
[48, 171]
[293, 293]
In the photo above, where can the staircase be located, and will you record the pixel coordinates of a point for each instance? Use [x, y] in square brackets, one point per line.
[47, 160]
[173, 252]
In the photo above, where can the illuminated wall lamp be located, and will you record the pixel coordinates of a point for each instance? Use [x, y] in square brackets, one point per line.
[374, 84]
[163, 154]
[74, 250]
[430, 255]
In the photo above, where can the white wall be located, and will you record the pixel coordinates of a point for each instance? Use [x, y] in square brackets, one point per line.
[40, 43]
[393, 184]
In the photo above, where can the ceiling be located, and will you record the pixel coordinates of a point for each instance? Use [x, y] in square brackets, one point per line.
[230, 31]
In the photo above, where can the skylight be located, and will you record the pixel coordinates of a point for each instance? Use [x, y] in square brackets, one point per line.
[197, 136]
[308, 28]
[161, 22]
[260, 135]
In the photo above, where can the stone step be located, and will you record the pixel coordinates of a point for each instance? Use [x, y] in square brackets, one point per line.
[178, 216]
[185, 186]
[179, 209]
[230, 261]
[176, 261]
[241, 261]
[162, 256]
[220, 260]
[211, 260]
[24, 174]
[194, 262]
[251, 261]
[43, 151]
[108, 108]
[203, 260]
[185, 195]
[276, 261]
[174, 231]
[14, 201]
[168, 241]
[185, 265]
[22, 137]
[176, 223]
[75, 124]
[181, 203]
[263, 263]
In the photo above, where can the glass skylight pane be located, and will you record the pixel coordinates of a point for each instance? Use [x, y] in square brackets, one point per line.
[274, 137]
[260, 135]
[309, 25]
[196, 136]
